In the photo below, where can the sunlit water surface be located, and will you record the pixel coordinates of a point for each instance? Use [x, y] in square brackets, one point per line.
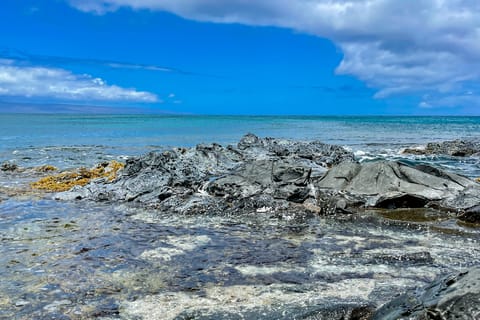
[76, 260]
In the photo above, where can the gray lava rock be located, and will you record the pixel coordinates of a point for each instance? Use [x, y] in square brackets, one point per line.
[458, 148]
[454, 296]
[325, 155]
[269, 175]
[390, 185]
[215, 179]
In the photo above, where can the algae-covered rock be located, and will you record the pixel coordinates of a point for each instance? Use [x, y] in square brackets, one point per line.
[64, 181]
[46, 168]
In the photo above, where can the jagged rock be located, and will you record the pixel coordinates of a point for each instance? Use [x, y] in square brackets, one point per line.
[458, 148]
[454, 296]
[325, 155]
[212, 178]
[276, 174]
[390, 185]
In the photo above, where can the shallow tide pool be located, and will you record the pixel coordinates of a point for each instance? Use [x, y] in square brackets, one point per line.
[82, 260]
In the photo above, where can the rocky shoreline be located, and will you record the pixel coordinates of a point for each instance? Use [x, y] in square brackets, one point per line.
[275, 175]
[278, 177]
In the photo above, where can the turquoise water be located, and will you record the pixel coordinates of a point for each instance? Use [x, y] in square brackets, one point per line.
[75, 140]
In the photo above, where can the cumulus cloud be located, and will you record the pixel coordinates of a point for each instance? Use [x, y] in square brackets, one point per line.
[420, 47]
[60, 84]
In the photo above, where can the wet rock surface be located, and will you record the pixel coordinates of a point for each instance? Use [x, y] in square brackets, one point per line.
[455, 296]
[471, 215]
[391, 185]
[340, 312]
[274, 175]
[259, 173]
[457, 148]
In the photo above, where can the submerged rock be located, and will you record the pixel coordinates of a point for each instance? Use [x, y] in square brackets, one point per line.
[9, 167]
[454, 296]
[334, 312]
[458, 148]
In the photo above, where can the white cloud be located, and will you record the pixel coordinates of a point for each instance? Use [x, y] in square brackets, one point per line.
[54, 83]
[411, 46]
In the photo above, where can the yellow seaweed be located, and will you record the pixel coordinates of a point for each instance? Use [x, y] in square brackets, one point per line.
[66, 180]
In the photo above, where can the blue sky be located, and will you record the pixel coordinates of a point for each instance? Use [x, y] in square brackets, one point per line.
[241, 57]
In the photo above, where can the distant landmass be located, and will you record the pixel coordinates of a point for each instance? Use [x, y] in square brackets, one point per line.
[9, 107]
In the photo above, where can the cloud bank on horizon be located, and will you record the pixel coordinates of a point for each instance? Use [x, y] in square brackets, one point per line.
[48, 82]
[425, 47]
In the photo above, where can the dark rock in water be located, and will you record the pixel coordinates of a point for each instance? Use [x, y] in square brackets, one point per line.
[275, 175]
[457, 148]
[390, 185]
[330, 312]
[417, 258]
[454, 296]
[215, 179]
[471, 215]
[8, 166]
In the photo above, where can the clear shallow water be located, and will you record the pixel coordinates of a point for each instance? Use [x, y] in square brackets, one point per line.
[80, 260]
[77, 260]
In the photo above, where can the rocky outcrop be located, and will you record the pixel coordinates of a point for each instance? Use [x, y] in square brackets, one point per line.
[457, 148]
[258, 174]
[390, 185]
[274, 175]
[455, 296]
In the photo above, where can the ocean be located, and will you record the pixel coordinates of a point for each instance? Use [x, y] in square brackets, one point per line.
[83, 140]
[81, 260]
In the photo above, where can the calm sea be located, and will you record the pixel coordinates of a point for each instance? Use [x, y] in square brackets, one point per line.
[77, 140]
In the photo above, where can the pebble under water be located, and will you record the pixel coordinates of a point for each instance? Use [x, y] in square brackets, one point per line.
[83, 260]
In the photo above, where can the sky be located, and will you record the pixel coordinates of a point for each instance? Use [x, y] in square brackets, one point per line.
[299, 57]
